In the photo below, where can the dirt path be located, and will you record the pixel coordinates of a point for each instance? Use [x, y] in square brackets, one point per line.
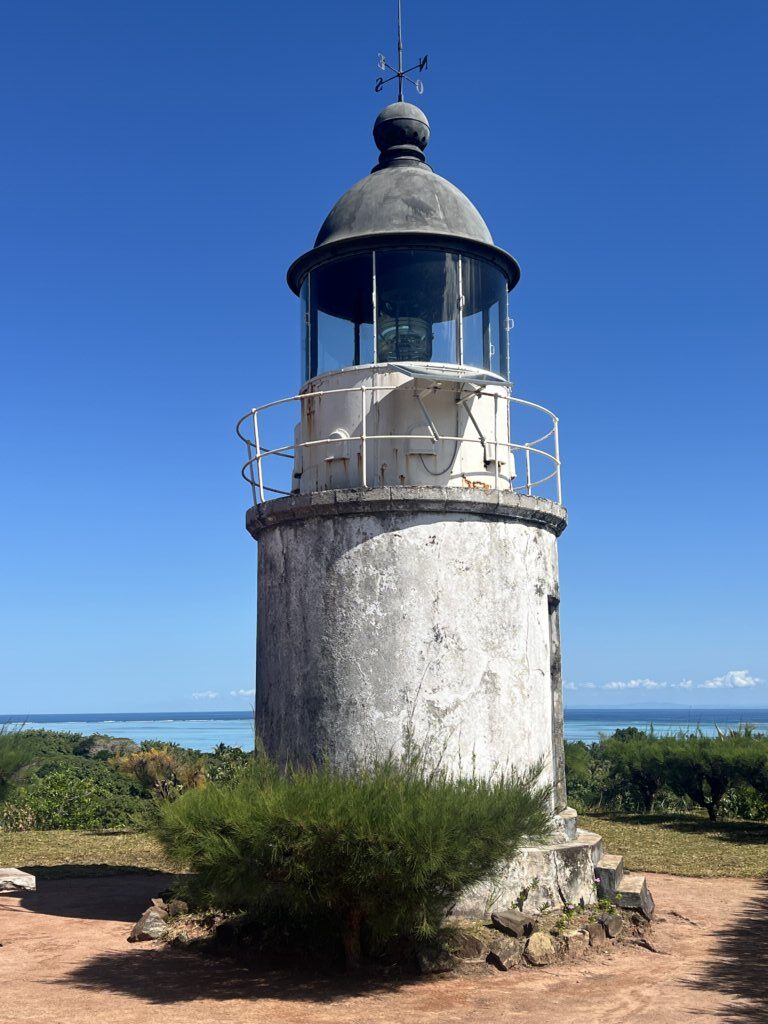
[65, 958]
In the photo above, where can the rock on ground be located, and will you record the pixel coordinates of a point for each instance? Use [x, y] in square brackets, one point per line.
[14, 880]
[540, 949]
[153, 924]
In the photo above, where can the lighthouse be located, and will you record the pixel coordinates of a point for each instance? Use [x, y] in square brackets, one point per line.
[408, 579]
[407, 505]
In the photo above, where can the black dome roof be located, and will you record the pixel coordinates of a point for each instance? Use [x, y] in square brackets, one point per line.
[404, 202]
[403, 198]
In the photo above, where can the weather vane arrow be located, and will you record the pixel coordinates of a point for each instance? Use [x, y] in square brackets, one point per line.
[398, 73]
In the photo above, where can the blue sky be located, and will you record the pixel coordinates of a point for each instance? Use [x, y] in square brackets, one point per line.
[162, 165]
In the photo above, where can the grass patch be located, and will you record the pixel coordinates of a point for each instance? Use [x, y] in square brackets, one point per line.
[684, 844]
[63, 854]
[673, 844]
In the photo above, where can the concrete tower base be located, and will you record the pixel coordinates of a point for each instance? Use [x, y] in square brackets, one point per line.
[423, 612]
[550, 875]
[428, 611]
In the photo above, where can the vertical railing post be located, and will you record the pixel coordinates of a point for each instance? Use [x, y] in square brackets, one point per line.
[363, 438]
[375, 308]
[557, 462]
[460, 317]
[251, 478]
[496, 441]
[527, 470]
[258, 454]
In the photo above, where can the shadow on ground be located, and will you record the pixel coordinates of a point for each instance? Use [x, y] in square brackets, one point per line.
[55, 871]
[165, 976]
[751, 832]
[102, 896]
[738, 967]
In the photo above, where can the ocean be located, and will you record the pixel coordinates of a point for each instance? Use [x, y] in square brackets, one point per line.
[204, 730]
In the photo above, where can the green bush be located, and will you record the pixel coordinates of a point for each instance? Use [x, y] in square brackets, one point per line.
[63, 799]
[227, 764]
[64, 790]
[380, 854]
[98, 745]
[744, 802]
[636, 765]
[15, 752]
[622, 772]
[47, 743]
[586, 777]
[631, 770]
[705, 768]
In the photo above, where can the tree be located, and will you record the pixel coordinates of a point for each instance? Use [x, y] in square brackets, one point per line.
[705, 768]
[636, 760]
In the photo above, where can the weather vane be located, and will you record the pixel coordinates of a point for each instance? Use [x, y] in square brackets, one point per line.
[399, 74]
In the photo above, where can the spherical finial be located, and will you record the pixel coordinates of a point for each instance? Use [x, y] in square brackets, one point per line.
[401, 131]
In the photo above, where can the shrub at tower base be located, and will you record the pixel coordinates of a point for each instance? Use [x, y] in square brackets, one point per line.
[371, 857]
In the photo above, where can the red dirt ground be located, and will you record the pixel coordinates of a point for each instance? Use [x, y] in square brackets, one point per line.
[65, 959]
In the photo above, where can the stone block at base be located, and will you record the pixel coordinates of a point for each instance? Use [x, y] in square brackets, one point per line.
[609, 872]
[633, 894]
[12, 880]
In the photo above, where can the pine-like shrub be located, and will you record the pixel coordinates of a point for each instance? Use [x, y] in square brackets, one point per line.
[377, 854]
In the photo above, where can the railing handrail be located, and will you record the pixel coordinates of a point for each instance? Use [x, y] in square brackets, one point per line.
[253, 444]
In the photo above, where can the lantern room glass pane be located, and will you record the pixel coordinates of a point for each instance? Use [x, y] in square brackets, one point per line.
[417, 306]
[306, 369]
[340, 314]
[484, 288]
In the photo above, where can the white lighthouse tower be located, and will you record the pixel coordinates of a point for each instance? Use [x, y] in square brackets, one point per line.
[407, 529]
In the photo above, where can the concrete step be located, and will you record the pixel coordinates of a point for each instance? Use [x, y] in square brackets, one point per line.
[609, 872]
[14, 881]
[633, 894]
[564, 830]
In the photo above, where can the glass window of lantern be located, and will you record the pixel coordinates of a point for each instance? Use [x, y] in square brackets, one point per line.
[306, 368]
[484, 319]
[431, 306]
[417, 306]
[340, 315]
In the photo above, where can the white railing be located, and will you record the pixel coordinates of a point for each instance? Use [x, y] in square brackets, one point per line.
[543, 450]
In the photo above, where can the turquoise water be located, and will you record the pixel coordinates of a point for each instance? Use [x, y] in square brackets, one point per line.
[588, 723]
[203, 731]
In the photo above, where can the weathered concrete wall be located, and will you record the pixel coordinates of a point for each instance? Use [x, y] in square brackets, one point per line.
[408, 608]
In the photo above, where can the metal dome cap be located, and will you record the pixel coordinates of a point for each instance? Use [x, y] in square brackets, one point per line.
[401, 203]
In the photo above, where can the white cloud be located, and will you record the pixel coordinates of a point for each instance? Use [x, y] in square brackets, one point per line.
[242, 693]
[205, 695]
[737, 677]
[635, 684]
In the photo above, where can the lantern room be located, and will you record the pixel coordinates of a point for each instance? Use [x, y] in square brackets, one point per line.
[404, 269]
[405, 366]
